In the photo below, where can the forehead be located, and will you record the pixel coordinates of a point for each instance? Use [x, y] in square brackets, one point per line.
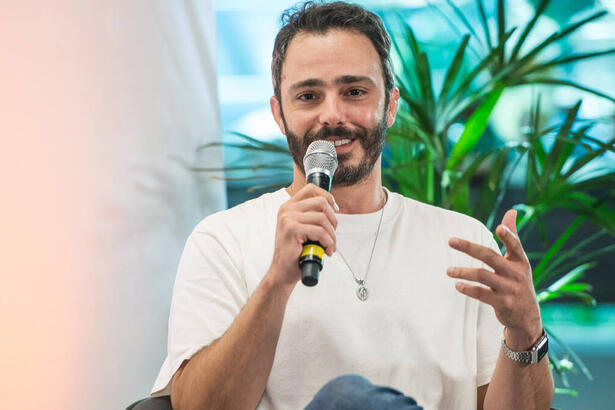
[330, 55]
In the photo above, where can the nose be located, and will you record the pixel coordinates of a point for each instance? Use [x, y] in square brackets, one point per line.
[332, 112]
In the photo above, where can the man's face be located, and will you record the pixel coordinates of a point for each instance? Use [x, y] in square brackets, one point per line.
[332, 88]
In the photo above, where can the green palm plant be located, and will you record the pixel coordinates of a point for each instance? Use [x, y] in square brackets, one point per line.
[429, 116]
[424, 164]
[558, 161]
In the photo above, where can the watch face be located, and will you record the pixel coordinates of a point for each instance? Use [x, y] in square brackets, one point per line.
[543, 346]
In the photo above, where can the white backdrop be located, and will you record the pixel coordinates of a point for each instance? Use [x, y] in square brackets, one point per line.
[101, 103]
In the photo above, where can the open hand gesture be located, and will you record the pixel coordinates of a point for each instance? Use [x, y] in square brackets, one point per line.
[508, 289]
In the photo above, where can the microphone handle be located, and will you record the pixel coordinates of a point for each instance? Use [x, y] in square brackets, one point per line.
[313, 252]
[319, 179]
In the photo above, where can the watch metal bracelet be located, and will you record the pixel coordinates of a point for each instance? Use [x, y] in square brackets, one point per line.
[536, 352]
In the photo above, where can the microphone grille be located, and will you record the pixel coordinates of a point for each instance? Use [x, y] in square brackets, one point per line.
[320, 155]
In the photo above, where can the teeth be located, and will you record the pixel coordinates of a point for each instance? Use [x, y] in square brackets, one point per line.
[340, 142]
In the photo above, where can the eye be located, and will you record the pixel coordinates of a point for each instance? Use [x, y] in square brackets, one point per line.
[356, 92]
[307, 97]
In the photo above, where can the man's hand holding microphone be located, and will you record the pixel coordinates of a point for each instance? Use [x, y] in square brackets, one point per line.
[306, 223]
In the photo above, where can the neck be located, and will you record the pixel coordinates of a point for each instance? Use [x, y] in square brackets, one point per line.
[364, 197]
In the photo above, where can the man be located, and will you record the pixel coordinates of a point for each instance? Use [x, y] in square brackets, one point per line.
[243, 333]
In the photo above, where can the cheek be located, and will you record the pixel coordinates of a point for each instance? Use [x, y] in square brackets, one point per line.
[300, 125]
[367, 116]
[299, 122]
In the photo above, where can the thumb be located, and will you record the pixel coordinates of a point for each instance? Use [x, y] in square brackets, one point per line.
[510, 220]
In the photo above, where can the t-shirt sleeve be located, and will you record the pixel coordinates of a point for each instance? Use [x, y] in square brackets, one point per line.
[208, 294]
[489, 331]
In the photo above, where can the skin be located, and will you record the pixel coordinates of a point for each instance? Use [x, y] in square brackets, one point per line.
[329, 59]
[335, 80]
[510, 291]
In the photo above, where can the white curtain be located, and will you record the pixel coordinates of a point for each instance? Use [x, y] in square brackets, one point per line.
[103, 104]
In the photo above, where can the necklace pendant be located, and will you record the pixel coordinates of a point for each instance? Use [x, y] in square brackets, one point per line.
[362, 293]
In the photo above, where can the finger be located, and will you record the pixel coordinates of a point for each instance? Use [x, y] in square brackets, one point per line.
[318, 234]
[510, 221]
[514, 249]
[310, 191]
[483, 294]
[317, 204]
[315, 218]
[482, 253]
[484, 276]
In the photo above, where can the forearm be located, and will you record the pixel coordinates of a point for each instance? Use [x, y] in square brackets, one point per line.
[232, 372]
[517, 385]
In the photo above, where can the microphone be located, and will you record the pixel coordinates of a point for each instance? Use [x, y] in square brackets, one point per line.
[319, 163]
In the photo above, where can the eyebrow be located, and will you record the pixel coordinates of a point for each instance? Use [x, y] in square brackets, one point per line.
[349, 79]
[345, 79]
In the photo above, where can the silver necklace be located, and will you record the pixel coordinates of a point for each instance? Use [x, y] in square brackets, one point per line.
[362, 292]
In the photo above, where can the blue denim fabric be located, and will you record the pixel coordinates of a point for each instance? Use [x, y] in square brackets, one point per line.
[354, 392]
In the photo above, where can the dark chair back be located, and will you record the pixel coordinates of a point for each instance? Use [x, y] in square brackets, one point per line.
[152, 403]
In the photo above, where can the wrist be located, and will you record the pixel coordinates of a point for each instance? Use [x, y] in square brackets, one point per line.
[531, 355]
[523, 339]
[274, 282]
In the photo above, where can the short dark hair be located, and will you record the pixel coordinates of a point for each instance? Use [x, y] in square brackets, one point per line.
[312, 17]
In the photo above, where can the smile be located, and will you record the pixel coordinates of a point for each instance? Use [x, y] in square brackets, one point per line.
[341, 142]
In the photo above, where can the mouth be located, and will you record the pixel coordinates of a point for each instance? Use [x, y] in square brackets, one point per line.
[342, 142]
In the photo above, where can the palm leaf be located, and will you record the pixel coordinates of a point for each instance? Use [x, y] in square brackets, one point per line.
[566, 60]
[253, 144]
[581, 259]
[569, 392]
[528, 28]
[490, 190]
[246, 147]
[458, 183]
[418, 110]
[475, 126]
[576, 251]
[464, 20]
[549, 168]
[453, 70]
[571, 353]
[269, 187]
[584, 297]
[254, 168]
[501, 31]
[484, 22]
[592, 208]
[503, 189]
[586, 159]
[554, 361]
[556, 81]
[540, 270]
[516, 65]
[570, 277]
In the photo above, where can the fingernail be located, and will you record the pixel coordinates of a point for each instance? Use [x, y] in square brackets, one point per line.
[454, 241]
[450, 271]
[507, 229]
[459, 285]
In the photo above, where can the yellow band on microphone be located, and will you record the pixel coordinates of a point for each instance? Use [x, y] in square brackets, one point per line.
[312, 249]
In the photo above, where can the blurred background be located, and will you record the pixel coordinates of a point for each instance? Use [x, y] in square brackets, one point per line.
[103, 108]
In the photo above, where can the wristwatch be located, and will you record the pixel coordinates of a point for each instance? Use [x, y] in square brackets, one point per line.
[536, 352]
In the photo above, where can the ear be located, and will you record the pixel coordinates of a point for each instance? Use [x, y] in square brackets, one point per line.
[392, 108]
[276, 110]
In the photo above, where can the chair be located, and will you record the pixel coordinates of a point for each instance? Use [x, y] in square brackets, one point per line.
[152, 403]
[164, 403]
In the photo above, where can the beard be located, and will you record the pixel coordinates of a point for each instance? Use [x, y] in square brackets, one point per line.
[372, 141]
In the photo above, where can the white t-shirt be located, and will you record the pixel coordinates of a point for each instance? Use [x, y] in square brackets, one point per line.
[415, 333]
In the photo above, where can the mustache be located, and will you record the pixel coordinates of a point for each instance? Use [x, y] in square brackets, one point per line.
[326, 132]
